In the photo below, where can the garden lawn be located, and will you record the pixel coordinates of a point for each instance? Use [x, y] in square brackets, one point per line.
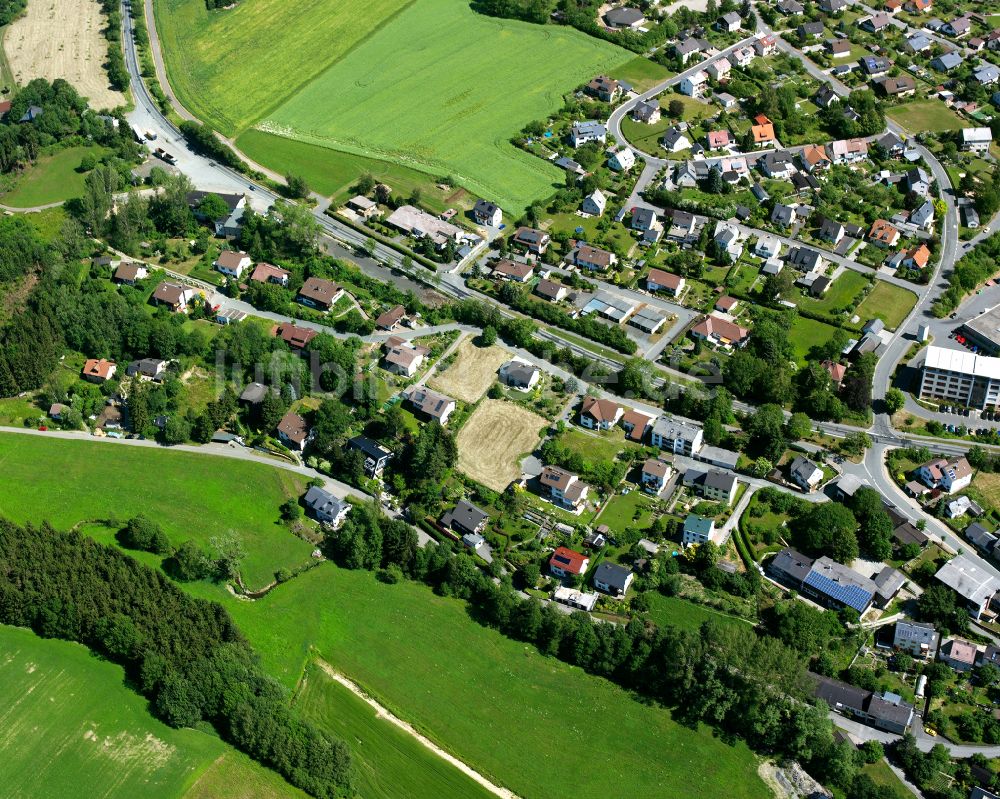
[926, 115]
[388, 763]
[841, 294]
[442, 89]
[806, 333]
[888, 302]
[230, 67]
[493, 702]
[333, 174]
[192, 496]
[52, 179]
[72, 729]
[627, 510]
[882, 775]
[677, 612]
[596, 446]
[641, 72]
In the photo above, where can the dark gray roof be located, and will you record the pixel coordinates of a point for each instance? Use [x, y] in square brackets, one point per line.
[369, 447]
[611, 574]
[467, 515]
[793, 563]
[720, 481]
[322, 501]
[623, 16]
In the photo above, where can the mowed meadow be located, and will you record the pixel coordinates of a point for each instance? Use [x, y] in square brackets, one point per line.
[442, 89]
[69, 727]
[524, 720]
[229, 68]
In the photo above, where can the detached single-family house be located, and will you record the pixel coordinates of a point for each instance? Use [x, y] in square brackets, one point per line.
[973, 584]
[583, 132]
[946, 62]
[293, 431]
[564, 488]
[487, 213]
[767, 247]
[727, 238]
[923, 217]
[728, 23]
[957, 27]
[624, 18]
[297, 338]
[831, 231]
[593, 258]
[147, 369]
[694, 85]
[917, 258]
[363, 206]
[436, 406]
[805, 474]
[98, 370]
[658, 280]
[918, 638]
[516, 271]
[719, 69]
[976, 140]
[566, 562]
[520, 374]
[765, 45]
[599, 414]
[233, 263]
[717, 139]
[647, 112]
[622, 160]
[655, 474]
[674, 141]
[531, 240]
[697, 530]
[876, 23]
[612, 579]
[783, 215]
[948, 475]
[174, 296]
[268, 273]
[319, 293]
[814, 158]
[604, 88]
[763, 131]
[959, 654]
[594, 203]
[130, 273]
[376, 456]
[551, 290]
[325, 507]
[230, 222]
[720, 332]
[403, 357]
[883, 234]
[390, 318]
[465, 519]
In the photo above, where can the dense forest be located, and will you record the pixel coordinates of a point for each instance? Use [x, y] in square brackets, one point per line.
[185, 654]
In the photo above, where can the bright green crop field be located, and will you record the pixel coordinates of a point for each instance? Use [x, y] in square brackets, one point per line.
[230, 67]
[442, 89]
[388, 762]
[69, 727]
[192, 496]
[493, 702]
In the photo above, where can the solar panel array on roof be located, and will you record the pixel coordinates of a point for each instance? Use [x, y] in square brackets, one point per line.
[851, 595]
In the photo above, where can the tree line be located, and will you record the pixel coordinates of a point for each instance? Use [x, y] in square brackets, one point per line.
[186, 655]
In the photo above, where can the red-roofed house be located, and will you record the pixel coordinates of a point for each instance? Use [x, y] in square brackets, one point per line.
[883, 234]
[566, 562]
[269, 273]
[599, 414]
[294, 336]
[658, 280]
[97, 370]
[717, 139]
[763, 131]
[836, 371]
[635, 424]
[720, 332]
[726, 304]
[917, 258]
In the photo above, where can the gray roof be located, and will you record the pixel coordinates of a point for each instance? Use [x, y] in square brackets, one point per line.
[612, 575]
[254, 393]
[804, 258]
[668, 427]
[698, 524]
[889, 581]
[793, 563]
[965, 578]
[623, 16]
[323, 501]
[802, 467]
[947, 61]
[467, 515]
[720, 481]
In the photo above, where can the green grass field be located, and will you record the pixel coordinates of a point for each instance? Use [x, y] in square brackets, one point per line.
[642, 73]
[926, 115]
[677, 612]
[510, 713]
[807, 333]
[442, 89]
[888, 302]
[840, 294]
[388, 763]
[192, 496]
[52, 179]
[629, 510]
[230, 68]
[71, 728]
[333, 174]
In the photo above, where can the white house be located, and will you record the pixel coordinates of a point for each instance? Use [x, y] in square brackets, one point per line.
[805, 474]
[233, 263]
[976, 140]
[325, 507]
[695, 85]
[622, 161]
[595, 203]
[583, 132]
[767, 247]
[487, 213]
[719, 69]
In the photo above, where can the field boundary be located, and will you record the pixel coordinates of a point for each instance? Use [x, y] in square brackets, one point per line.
[383, 713]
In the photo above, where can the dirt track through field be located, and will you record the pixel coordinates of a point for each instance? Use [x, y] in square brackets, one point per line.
[382, 713]
[63, 39]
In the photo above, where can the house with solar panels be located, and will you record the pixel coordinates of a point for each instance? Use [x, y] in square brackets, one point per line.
[833, 584]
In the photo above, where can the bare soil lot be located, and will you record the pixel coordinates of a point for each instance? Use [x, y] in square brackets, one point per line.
[63, 39]
[473, 371]
[493, 440]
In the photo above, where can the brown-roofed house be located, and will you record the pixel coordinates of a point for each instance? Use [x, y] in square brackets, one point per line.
[97, 370]
[512, 270]
[599, 414]
[883, 234]
[658, 280]
[294, 336]
[402, 357]
[269, 273]
[593, 258]
[655, 473]
[233, 263]
[130, 273]
[293, 431]
[814, 157]
[550, 290]
[388, 320]
[173, 295]
[726, 304]
[720, 331]
[635, 424]
[319, 293]
[436, 406]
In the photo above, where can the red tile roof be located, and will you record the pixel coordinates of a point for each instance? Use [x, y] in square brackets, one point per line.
[568, 560]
